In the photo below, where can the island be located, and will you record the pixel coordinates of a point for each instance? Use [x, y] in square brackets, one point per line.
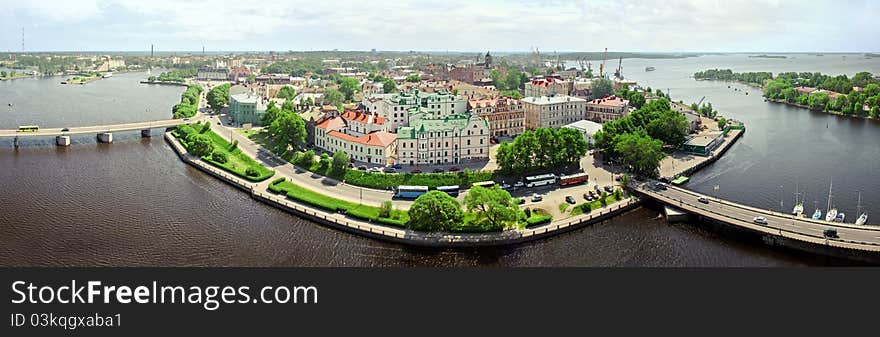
[765, 56]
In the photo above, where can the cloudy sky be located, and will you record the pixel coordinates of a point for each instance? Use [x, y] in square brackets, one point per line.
[455, 25]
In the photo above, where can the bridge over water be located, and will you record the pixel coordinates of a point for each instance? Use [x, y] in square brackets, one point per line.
[781, 228]
[103, 132]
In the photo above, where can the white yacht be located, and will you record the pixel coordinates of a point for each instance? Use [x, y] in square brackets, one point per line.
[832, 212]
[863, 218]
[798, 204]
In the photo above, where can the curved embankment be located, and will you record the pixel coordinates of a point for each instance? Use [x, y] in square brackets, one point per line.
[400, 235]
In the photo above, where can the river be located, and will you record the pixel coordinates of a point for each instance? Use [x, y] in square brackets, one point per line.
[134, 203]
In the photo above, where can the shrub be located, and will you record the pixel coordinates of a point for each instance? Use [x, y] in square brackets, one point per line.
[252, 172]
[538, 219]
[220, 157]
[234, 145]
[277, 181]
[385, 209]
[205, 127]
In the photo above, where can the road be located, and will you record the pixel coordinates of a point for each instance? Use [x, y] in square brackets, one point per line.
[101, 128]
[743, 215]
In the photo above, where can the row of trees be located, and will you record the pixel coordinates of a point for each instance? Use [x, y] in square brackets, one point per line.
[853, 103]
[638, 139]
[840, 83]
[492, 208]
[174, 75]
[635, 98]
[541, 149]
[729, 75]
[189, 102]
[513, 80]
[297, 67]
[218, 97]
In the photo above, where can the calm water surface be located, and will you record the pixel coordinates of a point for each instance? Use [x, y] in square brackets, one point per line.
[134, 203]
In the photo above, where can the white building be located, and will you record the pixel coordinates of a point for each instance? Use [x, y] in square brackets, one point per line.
[553, 111]
[395, 107]
[586, 128]
[450, 139]
[361, 135]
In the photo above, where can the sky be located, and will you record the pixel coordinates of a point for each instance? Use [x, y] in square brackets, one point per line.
[442, 25]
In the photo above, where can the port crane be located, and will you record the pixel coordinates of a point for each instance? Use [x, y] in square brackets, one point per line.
[602, 66]
[617, 73]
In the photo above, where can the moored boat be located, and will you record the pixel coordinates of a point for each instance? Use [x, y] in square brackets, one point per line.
[840, 217]
[817, 214]
[862, 219]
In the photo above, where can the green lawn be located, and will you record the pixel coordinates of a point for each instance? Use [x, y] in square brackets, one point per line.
[304, 195]
[237, 163]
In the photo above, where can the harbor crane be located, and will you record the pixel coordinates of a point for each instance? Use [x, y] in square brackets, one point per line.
[602, 66]
[617, 73]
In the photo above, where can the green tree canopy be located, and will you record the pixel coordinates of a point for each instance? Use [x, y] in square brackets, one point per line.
[218, 97]
[640, 152]
[602, 88]
[340, 162]
[200, 145]
[414, 78]
[287, 130]
[348, 86]
[271, 113]
[333, 97]
[493, 206]
[434, 211]
[287, 92]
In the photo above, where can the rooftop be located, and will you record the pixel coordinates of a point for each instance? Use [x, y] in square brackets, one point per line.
[552, 99]
[447, 123]
[585, 126]
[362, 117]
[376, 138]
[610, 101]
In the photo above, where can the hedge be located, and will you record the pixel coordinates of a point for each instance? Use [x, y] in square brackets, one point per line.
[365, 212]
[537, 219]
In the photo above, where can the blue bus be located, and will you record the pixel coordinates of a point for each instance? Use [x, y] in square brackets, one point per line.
[409, 192]
[451, 190]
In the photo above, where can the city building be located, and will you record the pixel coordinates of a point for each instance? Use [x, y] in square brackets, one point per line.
[586, 128]
[246, 108]
[470, 91]
[371, 88]
[703, 145]
[212, 74]
[395, 107]
[505, 115]
[363, 136]
[450, 139]
[607, 109]
[548, 86]
[552, 111]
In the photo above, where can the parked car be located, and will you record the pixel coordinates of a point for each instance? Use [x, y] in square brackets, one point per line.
[594, 194]
[375, 169]
[520, 201]
[65, 129]
[505, 186]
[661, 186]
[569, 199]
[519, 184]
[591, 152]
[608, 188]
[397, 166]
[588, 197]
[389, 169]
[760, 220]
[362, 167]
[415, 170]
[454, 169]
[830, 233]
[438, 170]
[218, 123]
[186, 119]
[703, 200]
[537, 197]
[350, 165]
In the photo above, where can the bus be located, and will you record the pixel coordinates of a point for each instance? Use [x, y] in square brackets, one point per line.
[572, 179]
[451, 190]
[409, 192]
[486, 184]
[541, 180]
[28, 128]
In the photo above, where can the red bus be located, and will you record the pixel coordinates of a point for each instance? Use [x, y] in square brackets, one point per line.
[576, 178]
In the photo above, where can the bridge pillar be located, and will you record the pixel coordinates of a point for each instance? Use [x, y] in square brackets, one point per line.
[15, 142]
[146, 133]
[62, 140]
[105, 137]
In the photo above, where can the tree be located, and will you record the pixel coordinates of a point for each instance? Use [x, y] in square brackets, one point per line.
[434, 211]
[385, 209]
[515, 94]
[340, 161]
[494, 206]
[306, 159]
[722, 123]
[251, 78]
[218, 96]
[669, 126]
[636, 99]
[333, 97]
[287, 92]
[219, 157]
[200, 145]
[602, 88]
[414, 78]
[271, 113]
[818, 100]
[287, 105]
[573, 145]
[640, 152]
[388, 85]
[348, 86]
[287, 130]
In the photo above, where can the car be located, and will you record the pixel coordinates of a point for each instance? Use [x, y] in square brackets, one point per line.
[609, 189]
[65, 129]
[397, 166]
[505, 186]
[454, 169]
[375, 169]
[617, 178]
[661, 186]
[703, 200]
[218, 123]
[594, 194]
[537, 197]
[591, 152]
[760, 220]
[186, 119]
[438, 170]
[520, 201]
[362, 167]
[519, 184]
[350, 165]
[830, 233]
[389, 170]
[415, 170]
[588, 197]
[569, 199]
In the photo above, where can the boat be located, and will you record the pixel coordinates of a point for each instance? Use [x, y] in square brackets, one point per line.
[840, 217]
[832, 212]
[108, 75]
[817, 214]
[799, 205]
[863, 218]
[649, 69]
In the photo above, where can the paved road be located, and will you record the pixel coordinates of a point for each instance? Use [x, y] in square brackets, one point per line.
[739, 214]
